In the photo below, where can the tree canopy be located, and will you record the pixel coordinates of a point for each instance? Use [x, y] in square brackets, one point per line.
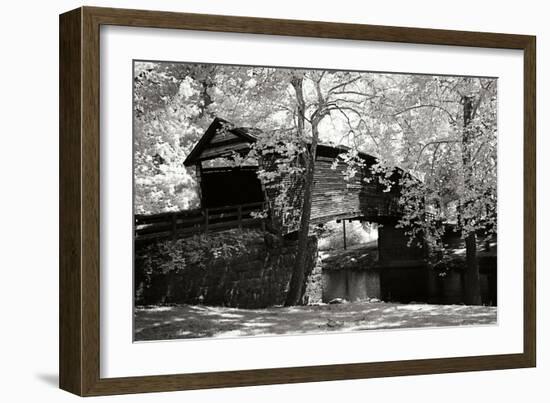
[414, 122]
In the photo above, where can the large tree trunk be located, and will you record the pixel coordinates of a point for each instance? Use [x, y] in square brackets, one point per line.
[297, 281]
[204, 106]
[472, 288]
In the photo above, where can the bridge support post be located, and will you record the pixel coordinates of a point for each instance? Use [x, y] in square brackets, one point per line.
[344, 231]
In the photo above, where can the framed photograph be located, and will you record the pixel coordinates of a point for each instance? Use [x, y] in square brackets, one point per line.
[248, 201]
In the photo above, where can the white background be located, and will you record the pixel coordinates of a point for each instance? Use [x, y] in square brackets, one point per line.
[29, 202]
[119, 357]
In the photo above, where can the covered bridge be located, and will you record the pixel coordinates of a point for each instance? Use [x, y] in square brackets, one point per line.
[334, 197]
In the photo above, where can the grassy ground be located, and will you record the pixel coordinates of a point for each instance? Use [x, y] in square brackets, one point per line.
[191, 321]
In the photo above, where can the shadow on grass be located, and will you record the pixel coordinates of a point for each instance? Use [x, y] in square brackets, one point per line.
[186, 321]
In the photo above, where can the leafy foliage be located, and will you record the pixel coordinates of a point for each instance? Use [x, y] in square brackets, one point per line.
[196, 251]
[415, 122]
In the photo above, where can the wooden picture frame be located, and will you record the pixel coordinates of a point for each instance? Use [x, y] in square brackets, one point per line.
[79, 346]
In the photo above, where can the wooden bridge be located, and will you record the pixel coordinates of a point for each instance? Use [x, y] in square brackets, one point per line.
[230, 194]
[333, 197]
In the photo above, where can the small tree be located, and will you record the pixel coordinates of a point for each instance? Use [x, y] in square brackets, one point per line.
[446, 137]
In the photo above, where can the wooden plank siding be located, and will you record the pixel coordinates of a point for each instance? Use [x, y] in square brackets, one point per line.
[334, 196]
[224, 149]
[221, 140]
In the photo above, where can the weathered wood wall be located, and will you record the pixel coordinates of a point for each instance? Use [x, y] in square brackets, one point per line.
[220, 141]
[334, 196]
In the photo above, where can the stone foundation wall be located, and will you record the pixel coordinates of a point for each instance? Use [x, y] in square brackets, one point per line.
[392, 245]
[256, 278]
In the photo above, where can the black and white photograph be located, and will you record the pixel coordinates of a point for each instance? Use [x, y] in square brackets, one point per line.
[272, 201]
[264, 202]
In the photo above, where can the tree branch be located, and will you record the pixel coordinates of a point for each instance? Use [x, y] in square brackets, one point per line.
[425, 106]
[439, 142]
[330, 91]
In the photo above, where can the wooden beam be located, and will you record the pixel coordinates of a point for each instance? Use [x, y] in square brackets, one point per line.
[344, 228]
[199, 175]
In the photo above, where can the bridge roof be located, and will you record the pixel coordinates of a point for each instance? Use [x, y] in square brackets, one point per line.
[238, 139]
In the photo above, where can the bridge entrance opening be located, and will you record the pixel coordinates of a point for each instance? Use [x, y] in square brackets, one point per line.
[230, 187]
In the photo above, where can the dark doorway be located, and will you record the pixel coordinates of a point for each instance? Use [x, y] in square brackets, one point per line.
[230, 186]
